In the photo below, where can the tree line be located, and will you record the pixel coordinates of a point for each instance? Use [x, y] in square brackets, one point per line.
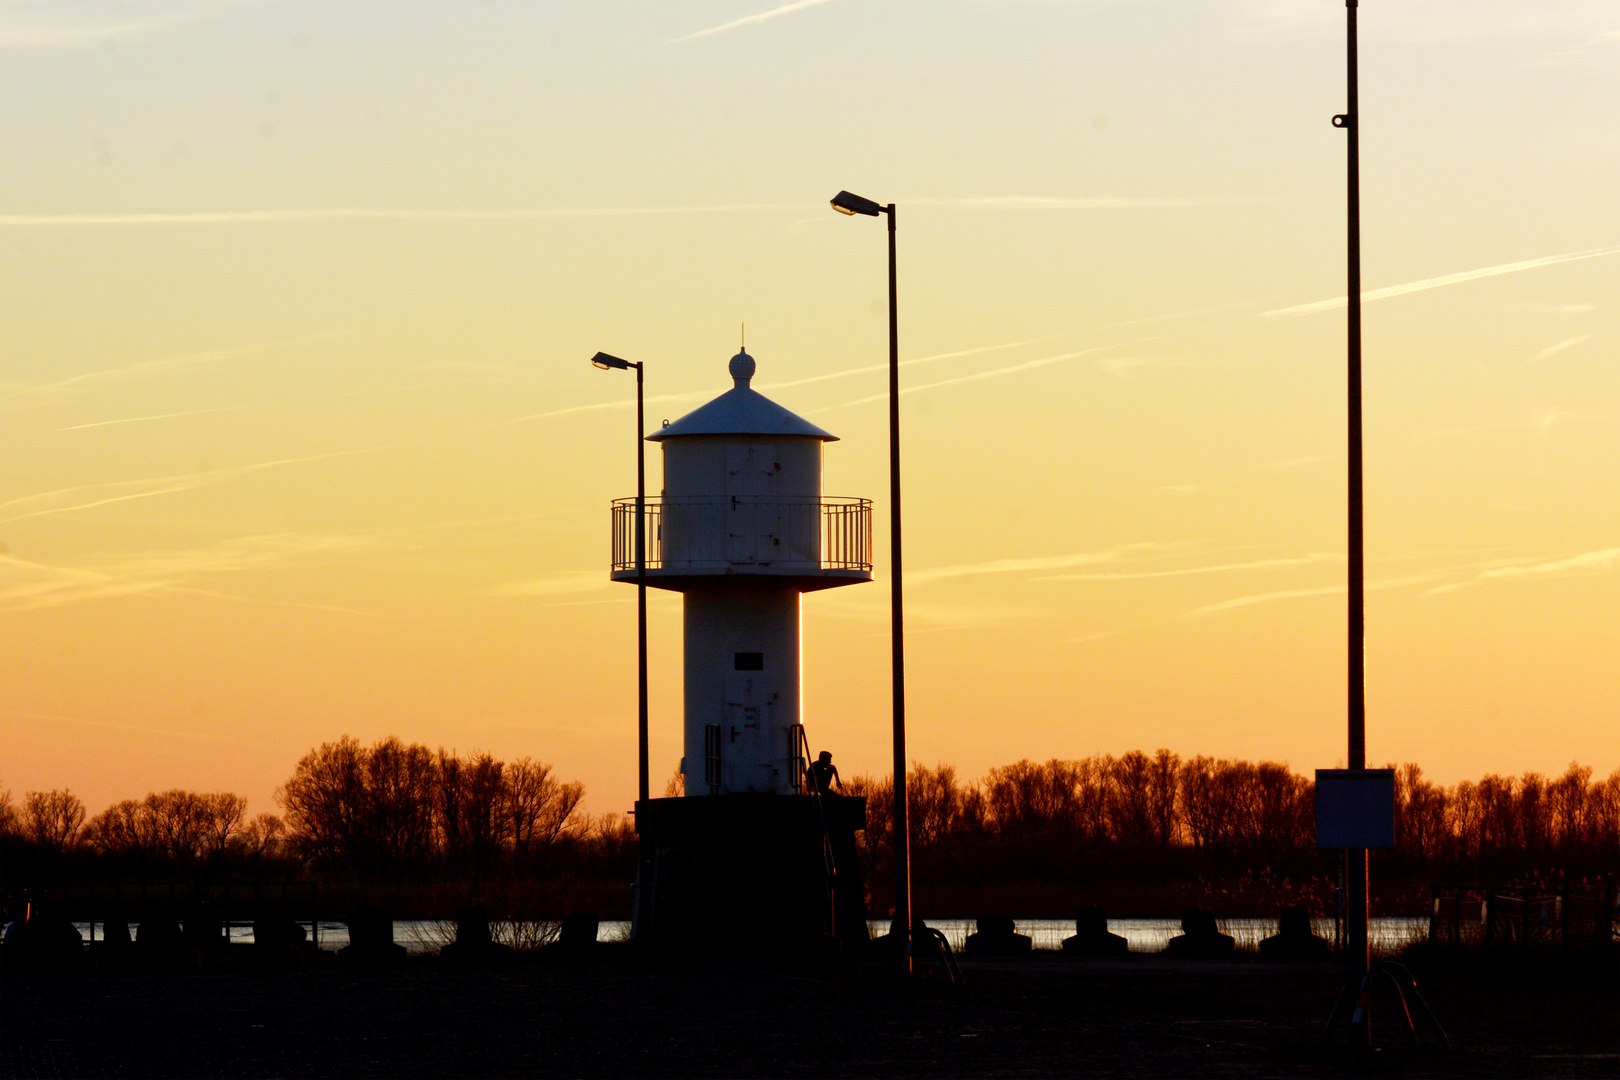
[397, 809]
[394, 810]
[391, 811]
[1205, 815]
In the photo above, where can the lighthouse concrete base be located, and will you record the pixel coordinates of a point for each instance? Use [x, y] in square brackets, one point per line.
[749, 874]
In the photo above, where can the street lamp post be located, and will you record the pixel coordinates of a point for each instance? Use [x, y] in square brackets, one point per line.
[608, 363]
[846, 203]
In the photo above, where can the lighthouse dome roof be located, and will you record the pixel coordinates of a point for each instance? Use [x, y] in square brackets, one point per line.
[741, 410]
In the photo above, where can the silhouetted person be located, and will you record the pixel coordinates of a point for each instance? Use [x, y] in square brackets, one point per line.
[371, 940]
[473, 946]
[1294, 939]
[1091, 936]
[1200, 938]
[996, 936]
[824, 774]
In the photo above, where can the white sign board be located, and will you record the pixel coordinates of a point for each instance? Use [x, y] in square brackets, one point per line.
[1355, 808]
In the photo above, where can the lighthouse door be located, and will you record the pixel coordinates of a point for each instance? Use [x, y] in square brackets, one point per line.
[753, 527]
[748, 764]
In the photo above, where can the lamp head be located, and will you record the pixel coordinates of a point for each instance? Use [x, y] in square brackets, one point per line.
[848, 203]
[607, 363]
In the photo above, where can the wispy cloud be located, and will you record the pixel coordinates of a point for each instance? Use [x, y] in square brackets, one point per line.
[926, 616]
[1223, 568]
[1083, 639]
[621, 403]
[1609, 39]
[1510, 20]
[1043, 562]
[1340, 589]
[304, 215]
[993, 373]
[164, 365]
[605, 406]
[233, 735]
[359, 213]
[1294, 463]
[870, 368]
[567, 583]
[1539, 419]
[1122, 366]
[1560, 309]
[62, 500]
[1081, 202]
[1438, 282]
[373, 391]
[1569, 343]
[26, 585]
[142, 419]
[750, 20]
[1265, 597]
[1603, 560]
[693, 395]
[483, 367]
[76, 24]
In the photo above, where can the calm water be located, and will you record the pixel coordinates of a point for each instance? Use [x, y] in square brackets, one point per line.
[1387, 935]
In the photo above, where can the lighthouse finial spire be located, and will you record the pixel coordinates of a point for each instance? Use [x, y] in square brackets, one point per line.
[742, 368]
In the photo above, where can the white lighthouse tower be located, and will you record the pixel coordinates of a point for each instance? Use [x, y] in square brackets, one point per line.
[742, 530]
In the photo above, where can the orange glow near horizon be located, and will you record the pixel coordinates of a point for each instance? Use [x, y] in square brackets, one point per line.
[302, 440]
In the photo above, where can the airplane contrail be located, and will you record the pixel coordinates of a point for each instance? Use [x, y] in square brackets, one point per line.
[749, 20]
[1438, 282]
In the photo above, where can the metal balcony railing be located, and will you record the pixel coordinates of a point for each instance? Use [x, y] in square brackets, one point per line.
[710, 534]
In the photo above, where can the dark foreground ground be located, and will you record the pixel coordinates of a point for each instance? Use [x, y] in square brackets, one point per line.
[1041, 1016]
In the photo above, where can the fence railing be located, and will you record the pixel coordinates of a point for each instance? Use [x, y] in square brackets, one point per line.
[1518, 916]
[700, 534]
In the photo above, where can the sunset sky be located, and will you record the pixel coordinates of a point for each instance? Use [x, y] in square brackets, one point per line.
[300, 438]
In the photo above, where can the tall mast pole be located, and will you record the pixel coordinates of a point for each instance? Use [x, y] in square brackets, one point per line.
[1356, 944]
